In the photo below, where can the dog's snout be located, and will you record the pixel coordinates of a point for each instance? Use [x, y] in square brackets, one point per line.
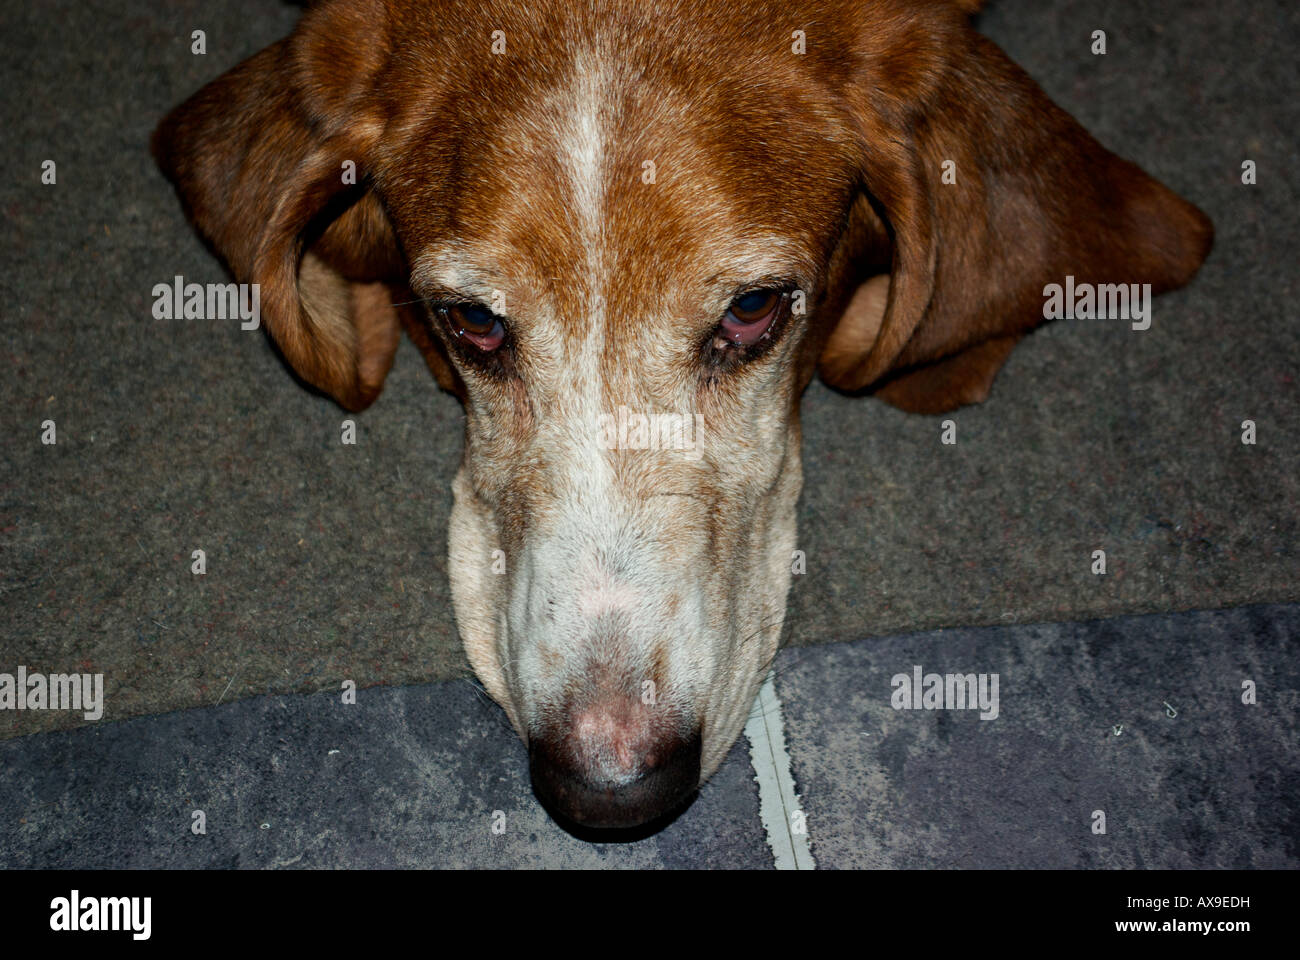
[609, 767]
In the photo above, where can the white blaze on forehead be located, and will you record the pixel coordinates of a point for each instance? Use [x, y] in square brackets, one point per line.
[583, 146]
[582, 121]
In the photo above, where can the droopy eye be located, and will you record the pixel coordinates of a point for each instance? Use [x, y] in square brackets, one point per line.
[750, 316]
[477, 324]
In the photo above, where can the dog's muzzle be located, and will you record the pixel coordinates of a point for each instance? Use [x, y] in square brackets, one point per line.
[612, 766]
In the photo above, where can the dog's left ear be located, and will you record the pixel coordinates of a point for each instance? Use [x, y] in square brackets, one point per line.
[989, 192]
[272, 161]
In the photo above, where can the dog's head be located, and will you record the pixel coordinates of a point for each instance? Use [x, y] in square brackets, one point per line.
[626, 235]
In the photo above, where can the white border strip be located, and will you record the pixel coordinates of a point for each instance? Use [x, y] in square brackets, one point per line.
[777, 801]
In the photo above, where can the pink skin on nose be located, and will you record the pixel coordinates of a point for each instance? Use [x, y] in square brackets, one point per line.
[614, 736]
[612, 733]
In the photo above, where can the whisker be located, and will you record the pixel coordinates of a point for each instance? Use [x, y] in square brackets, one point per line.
[784, 667]
[680, 493]
[780, 621]
[498, 714]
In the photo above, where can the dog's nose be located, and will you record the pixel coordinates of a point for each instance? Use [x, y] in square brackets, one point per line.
[605, 770]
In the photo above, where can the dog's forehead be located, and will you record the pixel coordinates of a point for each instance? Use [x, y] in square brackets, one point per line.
[625, 156]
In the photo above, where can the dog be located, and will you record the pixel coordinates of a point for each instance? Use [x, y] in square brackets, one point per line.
[581, 209]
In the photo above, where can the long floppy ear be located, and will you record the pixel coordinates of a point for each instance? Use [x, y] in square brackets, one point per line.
[1033, 199]
[259, 158]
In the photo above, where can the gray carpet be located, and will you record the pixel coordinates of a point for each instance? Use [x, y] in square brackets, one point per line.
[417, 776]
[1215, 786]
[328, 561]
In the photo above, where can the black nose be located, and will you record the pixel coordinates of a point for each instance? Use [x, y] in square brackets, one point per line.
[650, 788]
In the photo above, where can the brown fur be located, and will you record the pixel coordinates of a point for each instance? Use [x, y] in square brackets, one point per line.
[904, 85]
[521, 174]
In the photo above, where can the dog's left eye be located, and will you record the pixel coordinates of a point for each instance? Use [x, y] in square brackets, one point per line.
[477, 324]
[749, 318]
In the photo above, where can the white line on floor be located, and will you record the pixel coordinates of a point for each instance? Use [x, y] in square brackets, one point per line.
[778, 804]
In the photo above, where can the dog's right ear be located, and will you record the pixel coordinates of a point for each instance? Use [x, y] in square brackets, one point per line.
[989, 193]
[272, 163]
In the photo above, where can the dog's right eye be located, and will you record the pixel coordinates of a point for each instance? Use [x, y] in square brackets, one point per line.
[475, 323]
[750, 316]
